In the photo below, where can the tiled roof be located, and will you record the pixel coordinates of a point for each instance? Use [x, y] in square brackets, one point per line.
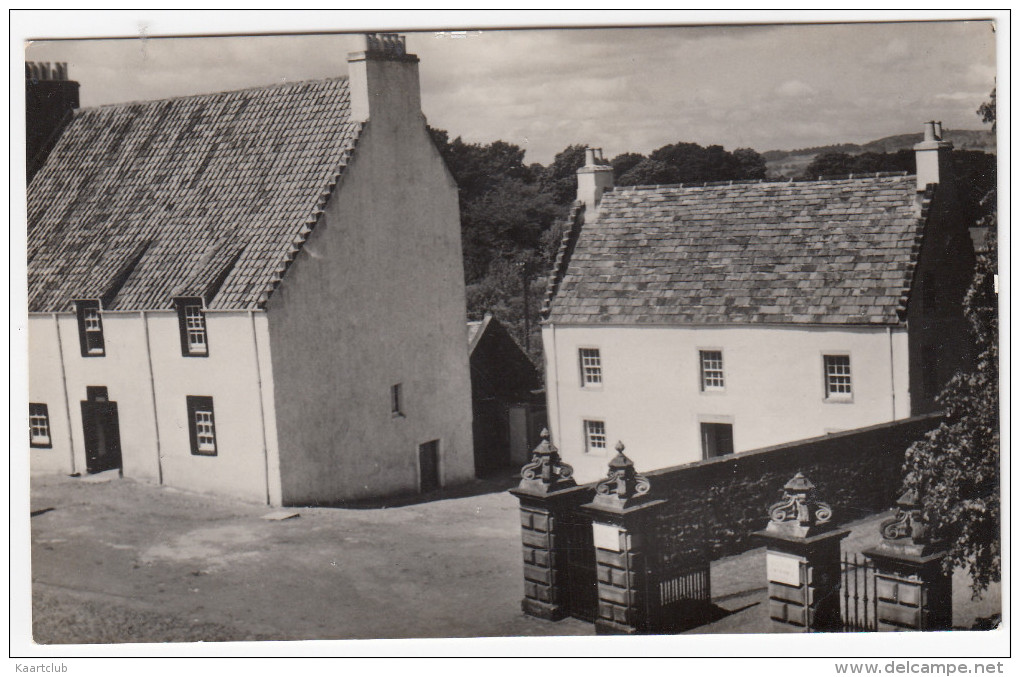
[816, 252]
[208, 195]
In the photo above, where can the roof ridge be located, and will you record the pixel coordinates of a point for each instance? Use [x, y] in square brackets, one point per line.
[183, 97]
[744, 182]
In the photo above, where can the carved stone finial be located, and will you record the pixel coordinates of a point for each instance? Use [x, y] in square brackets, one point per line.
[908, 524]
[799, 513]
[546, 472]
[623, 486]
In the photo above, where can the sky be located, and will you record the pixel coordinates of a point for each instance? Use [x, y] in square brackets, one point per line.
[623, 89]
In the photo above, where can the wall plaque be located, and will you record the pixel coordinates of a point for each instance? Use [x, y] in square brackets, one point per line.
[783, 568]
[606, 536]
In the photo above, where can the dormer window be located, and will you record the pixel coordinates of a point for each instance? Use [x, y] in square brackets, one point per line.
[90, 328]
[191, 318]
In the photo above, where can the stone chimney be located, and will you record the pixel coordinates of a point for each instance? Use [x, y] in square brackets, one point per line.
[50, 100]
[593, 178]
[932, 157]
[384, 81]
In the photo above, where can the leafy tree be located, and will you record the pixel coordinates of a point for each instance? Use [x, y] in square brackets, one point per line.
[624, 163]
[560, 178]
[987, 110]
[695, 164]
[650, 172]
[750, 162]
[841, 164]
[955, 468]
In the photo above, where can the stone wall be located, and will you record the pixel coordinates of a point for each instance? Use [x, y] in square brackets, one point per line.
[713, 506]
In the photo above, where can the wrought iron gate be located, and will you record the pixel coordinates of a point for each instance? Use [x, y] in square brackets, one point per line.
[582, 585]
[859, 603]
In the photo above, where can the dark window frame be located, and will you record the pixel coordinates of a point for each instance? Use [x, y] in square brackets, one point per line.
[188, 348]
[39, 410]
[202, 404]
[92, 340]
[716, 439]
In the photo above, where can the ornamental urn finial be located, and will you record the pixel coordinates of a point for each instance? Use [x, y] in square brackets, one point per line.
[908, 527]
[546, 472]
[799, 514]
[623, 487]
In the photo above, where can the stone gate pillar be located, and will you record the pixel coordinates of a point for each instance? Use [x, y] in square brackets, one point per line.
[802, 560]
[546, 493]
[619, 529]
[913, 590]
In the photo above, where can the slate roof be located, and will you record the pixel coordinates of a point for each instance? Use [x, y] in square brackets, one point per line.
[208, 195]
[817, 252]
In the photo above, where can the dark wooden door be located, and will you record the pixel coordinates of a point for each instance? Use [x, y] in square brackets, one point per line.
[102, 435]
[428, 462]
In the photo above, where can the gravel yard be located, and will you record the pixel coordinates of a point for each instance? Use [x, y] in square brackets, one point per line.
[121, 561]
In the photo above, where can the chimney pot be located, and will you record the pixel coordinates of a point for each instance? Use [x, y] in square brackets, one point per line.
[932, 155]
[383, 80]
[593, 178]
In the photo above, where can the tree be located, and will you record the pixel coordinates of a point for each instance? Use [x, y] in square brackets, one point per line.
[623, 163]
[955, 467]
[650, 172]
[560, 178]
[987, 110]
[841, 164]
[750, 162]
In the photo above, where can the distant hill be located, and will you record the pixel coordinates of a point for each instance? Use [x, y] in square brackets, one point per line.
[793, 162]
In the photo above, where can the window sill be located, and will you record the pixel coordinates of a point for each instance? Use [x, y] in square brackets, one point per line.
[713, 391]
[40, 445]
[839, 400]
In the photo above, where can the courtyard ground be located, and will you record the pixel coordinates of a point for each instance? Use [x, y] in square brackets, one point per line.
[114, 560]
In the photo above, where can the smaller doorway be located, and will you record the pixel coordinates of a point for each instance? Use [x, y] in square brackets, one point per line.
[101, 428]
[428, 465]
[716, 439]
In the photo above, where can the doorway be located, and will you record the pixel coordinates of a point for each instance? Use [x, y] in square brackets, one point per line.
[101, 428]
[428, 463]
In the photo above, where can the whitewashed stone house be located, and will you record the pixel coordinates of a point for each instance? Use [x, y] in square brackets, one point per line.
[697, 321]
[256, 293]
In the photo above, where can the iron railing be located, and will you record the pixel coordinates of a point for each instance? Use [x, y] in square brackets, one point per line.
[859, 603]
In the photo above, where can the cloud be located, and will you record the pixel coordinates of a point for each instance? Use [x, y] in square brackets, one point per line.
[633, 89]
[795, 88]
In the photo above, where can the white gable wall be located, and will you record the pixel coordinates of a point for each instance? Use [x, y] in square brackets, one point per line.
[375, 298]
[651, 396]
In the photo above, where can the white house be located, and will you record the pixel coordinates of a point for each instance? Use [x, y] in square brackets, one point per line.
[257, 293]
[696, 321]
